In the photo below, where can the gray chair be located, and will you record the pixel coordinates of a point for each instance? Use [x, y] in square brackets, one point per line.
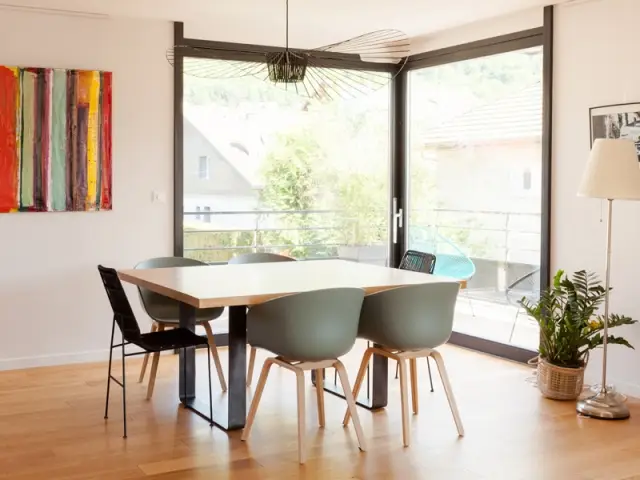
[409, 323]
[307, 331]
[260, 257]
[165, 313]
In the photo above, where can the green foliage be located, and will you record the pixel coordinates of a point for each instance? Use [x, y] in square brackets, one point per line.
[569, 324]
[362, 199]
[292, 174]
[215, 247]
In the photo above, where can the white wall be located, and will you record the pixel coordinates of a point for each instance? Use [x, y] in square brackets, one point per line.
[594, 65]
[494, 27]
[52, 305]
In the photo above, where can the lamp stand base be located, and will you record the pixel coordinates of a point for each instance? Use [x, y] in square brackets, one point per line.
[603, 405]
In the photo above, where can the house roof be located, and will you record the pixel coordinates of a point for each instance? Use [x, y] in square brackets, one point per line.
[237, 146]
[512, 117]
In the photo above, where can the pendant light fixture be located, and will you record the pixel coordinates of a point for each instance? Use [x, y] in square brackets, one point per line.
[310, 73]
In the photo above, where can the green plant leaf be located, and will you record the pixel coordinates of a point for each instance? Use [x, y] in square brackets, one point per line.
[567, 315]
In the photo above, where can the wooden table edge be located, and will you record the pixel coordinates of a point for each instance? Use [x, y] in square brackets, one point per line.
[167, 292]
[243, 300]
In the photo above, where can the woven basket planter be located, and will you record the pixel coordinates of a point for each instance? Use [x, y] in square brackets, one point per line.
[559, 383]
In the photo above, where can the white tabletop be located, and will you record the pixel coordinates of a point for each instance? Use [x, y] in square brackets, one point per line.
[251, 284]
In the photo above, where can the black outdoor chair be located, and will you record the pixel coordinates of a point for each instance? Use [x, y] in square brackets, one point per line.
[178, 338]
[418, 262]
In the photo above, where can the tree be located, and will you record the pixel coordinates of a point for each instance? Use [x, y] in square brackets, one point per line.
[292, 173]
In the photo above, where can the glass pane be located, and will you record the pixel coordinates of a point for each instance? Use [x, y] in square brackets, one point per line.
[475, 185]
[268, 170]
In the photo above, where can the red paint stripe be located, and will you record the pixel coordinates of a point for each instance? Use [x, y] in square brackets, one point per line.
[106, 174]
[8, 145]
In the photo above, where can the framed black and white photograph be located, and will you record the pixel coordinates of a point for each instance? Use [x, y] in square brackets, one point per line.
[616, 121]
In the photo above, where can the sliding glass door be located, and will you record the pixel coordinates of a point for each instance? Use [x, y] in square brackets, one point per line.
[454, 153]
[474, 185]
[267, 170]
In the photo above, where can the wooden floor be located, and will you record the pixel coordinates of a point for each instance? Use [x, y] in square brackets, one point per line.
[51, 427]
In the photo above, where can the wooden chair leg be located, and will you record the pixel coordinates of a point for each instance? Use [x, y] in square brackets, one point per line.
[256, 399]
[214, 354]
[404, 394]
[351, 403]
[413, 369]
[302, 447]
[152, 375]
[320, 396]
[447, 388]
[154, 367]
[356, 388]
[252, 361]
[154, 327]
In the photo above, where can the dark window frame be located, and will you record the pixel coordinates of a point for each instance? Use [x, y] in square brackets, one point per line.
[543, 36]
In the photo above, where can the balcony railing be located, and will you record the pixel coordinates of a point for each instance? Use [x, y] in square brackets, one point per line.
[312, 234]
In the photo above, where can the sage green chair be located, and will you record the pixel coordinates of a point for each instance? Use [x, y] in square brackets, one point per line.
[409, 323]
[165, 313]
[307, 331]
[260, 257]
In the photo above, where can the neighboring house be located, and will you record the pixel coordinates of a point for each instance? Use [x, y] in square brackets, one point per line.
[489, 160]
[220, 175]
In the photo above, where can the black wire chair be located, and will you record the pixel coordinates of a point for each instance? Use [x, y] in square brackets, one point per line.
[416, 261]
[149, 342]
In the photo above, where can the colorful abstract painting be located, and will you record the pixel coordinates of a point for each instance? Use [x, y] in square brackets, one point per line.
[55, 140]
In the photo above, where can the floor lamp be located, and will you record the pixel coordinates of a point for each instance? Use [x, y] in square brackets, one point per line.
[612, 173]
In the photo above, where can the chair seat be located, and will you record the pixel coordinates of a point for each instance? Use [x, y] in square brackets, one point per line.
[169, 339]
[169, 313]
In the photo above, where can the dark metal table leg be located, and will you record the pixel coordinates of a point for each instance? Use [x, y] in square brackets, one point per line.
[236, 413]
[187, 380]
[379, 384]
[237, 394]
[187, 370]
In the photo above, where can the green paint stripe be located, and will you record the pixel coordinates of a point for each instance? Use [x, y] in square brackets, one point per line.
[28, 128]
[58, 141]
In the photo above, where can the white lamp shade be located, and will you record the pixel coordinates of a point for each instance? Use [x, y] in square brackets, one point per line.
[612, 172]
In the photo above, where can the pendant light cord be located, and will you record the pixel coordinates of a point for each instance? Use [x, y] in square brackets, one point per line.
[287, 26]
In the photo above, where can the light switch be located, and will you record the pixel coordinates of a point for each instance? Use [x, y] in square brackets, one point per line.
[158, 197]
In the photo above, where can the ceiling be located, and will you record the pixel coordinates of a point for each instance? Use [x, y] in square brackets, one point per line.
[312, 22]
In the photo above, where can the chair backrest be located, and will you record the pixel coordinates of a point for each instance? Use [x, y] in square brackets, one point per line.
[122, 312]
[418, 261]
[151, 300]
[260, 257]
[455, 266]
[308, 326]
[452, 261]
[411, 317]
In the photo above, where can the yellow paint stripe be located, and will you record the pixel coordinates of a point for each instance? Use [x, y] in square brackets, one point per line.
[92, 140]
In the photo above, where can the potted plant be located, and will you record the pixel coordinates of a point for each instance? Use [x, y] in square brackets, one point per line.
[570, 328]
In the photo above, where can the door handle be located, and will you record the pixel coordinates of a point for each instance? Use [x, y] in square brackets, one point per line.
[397, 219]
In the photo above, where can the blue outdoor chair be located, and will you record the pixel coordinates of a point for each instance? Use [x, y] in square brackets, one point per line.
[452, 261]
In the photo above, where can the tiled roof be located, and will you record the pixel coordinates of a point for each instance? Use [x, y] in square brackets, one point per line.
[513, 117]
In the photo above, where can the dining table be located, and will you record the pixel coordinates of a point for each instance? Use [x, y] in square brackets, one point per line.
[239, 287]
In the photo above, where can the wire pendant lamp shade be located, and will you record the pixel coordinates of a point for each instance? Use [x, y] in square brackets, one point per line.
[306, 72]
[286, 67]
